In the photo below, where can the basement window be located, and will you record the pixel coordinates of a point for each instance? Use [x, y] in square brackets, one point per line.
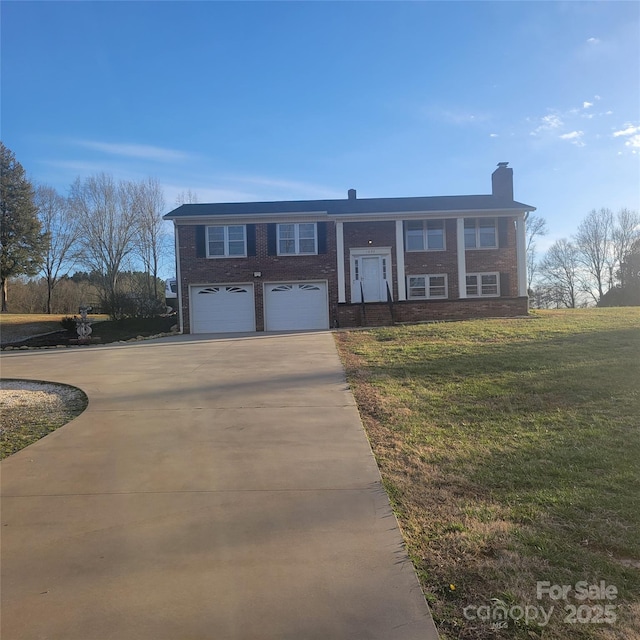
[427, 287]
[483, 285]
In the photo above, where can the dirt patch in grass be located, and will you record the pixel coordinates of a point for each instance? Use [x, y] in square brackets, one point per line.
[31, 409]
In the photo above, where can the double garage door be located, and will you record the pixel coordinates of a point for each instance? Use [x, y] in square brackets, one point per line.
[287, 306]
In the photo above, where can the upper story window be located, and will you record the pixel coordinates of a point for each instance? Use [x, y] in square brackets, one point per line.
[224, 241]
[427, 286]
[425, 235]
[480, 233]
[483, 284]
[300, 238]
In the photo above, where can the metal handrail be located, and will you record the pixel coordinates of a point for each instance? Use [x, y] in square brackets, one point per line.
[363, 308]
[390, 303]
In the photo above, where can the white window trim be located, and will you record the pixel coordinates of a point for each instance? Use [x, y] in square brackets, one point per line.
[477, 246]
[226, 241]
[478, 293]
[425, 236]
[426, 276]
[296, 239]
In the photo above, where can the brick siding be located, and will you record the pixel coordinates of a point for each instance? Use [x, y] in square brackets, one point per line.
[377, 314]
[194, 270]
[359, 235]
[203, 271]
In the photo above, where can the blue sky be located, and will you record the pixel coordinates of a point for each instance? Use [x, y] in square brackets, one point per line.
[304, 100]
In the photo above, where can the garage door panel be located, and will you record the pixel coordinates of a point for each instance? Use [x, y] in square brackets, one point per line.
[223, 308]
[296, 305]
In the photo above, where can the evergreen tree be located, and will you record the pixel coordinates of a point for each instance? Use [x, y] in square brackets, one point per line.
[22, 243]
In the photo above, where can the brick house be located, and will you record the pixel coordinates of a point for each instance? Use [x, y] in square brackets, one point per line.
[316, 264]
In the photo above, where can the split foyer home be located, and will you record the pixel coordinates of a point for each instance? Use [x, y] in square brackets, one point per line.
[316, 264]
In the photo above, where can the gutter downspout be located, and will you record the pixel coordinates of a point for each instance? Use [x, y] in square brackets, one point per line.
[179, 279]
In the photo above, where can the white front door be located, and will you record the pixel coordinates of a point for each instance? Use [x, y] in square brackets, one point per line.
[370, 273]
[371, 278]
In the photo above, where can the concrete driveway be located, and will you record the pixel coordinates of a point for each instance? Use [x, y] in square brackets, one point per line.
[215, 488]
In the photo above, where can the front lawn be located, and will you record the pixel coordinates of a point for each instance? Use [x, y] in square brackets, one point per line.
[510, 450]
[104, 331]
[20, 326]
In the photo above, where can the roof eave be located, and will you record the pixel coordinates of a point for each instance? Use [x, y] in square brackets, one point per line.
[247, 217]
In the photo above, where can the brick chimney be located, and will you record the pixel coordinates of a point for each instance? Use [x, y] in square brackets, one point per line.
[502, 182]
[351, 194]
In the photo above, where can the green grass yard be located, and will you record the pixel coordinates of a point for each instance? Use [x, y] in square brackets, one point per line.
[510, 450]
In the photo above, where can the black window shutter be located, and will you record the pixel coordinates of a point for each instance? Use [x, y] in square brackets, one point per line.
[272, 240]
[504, 285]
[251, 239]
[201, 241]
[322, 237]
[503, 232]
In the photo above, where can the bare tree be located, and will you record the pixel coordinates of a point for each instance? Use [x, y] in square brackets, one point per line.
[58, 222]
[626, 232]
[560, 270]
[187, 197]
[150, 241]
[536, 227]
[107, 227]
[594, 241]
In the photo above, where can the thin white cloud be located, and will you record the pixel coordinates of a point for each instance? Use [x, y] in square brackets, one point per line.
[287, 185]
[630, 130]
[633, 141]
[493, 135]
[460, 117]
[586, 105]
[129, 150]
[632, 133]
[247, 188]
[205, 193]
[593, 41]
[548, 123]
[575, 137]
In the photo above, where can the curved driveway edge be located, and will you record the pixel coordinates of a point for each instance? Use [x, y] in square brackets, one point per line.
[215, 488]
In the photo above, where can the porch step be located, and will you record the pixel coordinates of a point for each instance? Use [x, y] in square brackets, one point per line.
[376, 315]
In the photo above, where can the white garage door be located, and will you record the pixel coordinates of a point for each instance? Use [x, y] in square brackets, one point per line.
[296, 305]
[223, 308]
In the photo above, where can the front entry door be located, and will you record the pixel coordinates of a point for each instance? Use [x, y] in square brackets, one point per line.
[371, 278]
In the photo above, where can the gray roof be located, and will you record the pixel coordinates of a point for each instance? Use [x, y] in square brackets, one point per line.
[351, 206]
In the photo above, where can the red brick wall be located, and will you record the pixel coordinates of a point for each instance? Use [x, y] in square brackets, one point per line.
[436, 262]
[194, 270]
[358, 235]
[350, 315]
[503, 260]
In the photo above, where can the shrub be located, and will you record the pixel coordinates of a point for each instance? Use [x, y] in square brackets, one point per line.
[69, 324]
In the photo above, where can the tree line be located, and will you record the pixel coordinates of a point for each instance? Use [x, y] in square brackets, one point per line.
[599, 264]
[104, 225]
[107, 226]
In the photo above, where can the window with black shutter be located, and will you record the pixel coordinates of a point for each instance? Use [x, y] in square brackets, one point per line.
[201, 241]
[251, 239]
[272, 239]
